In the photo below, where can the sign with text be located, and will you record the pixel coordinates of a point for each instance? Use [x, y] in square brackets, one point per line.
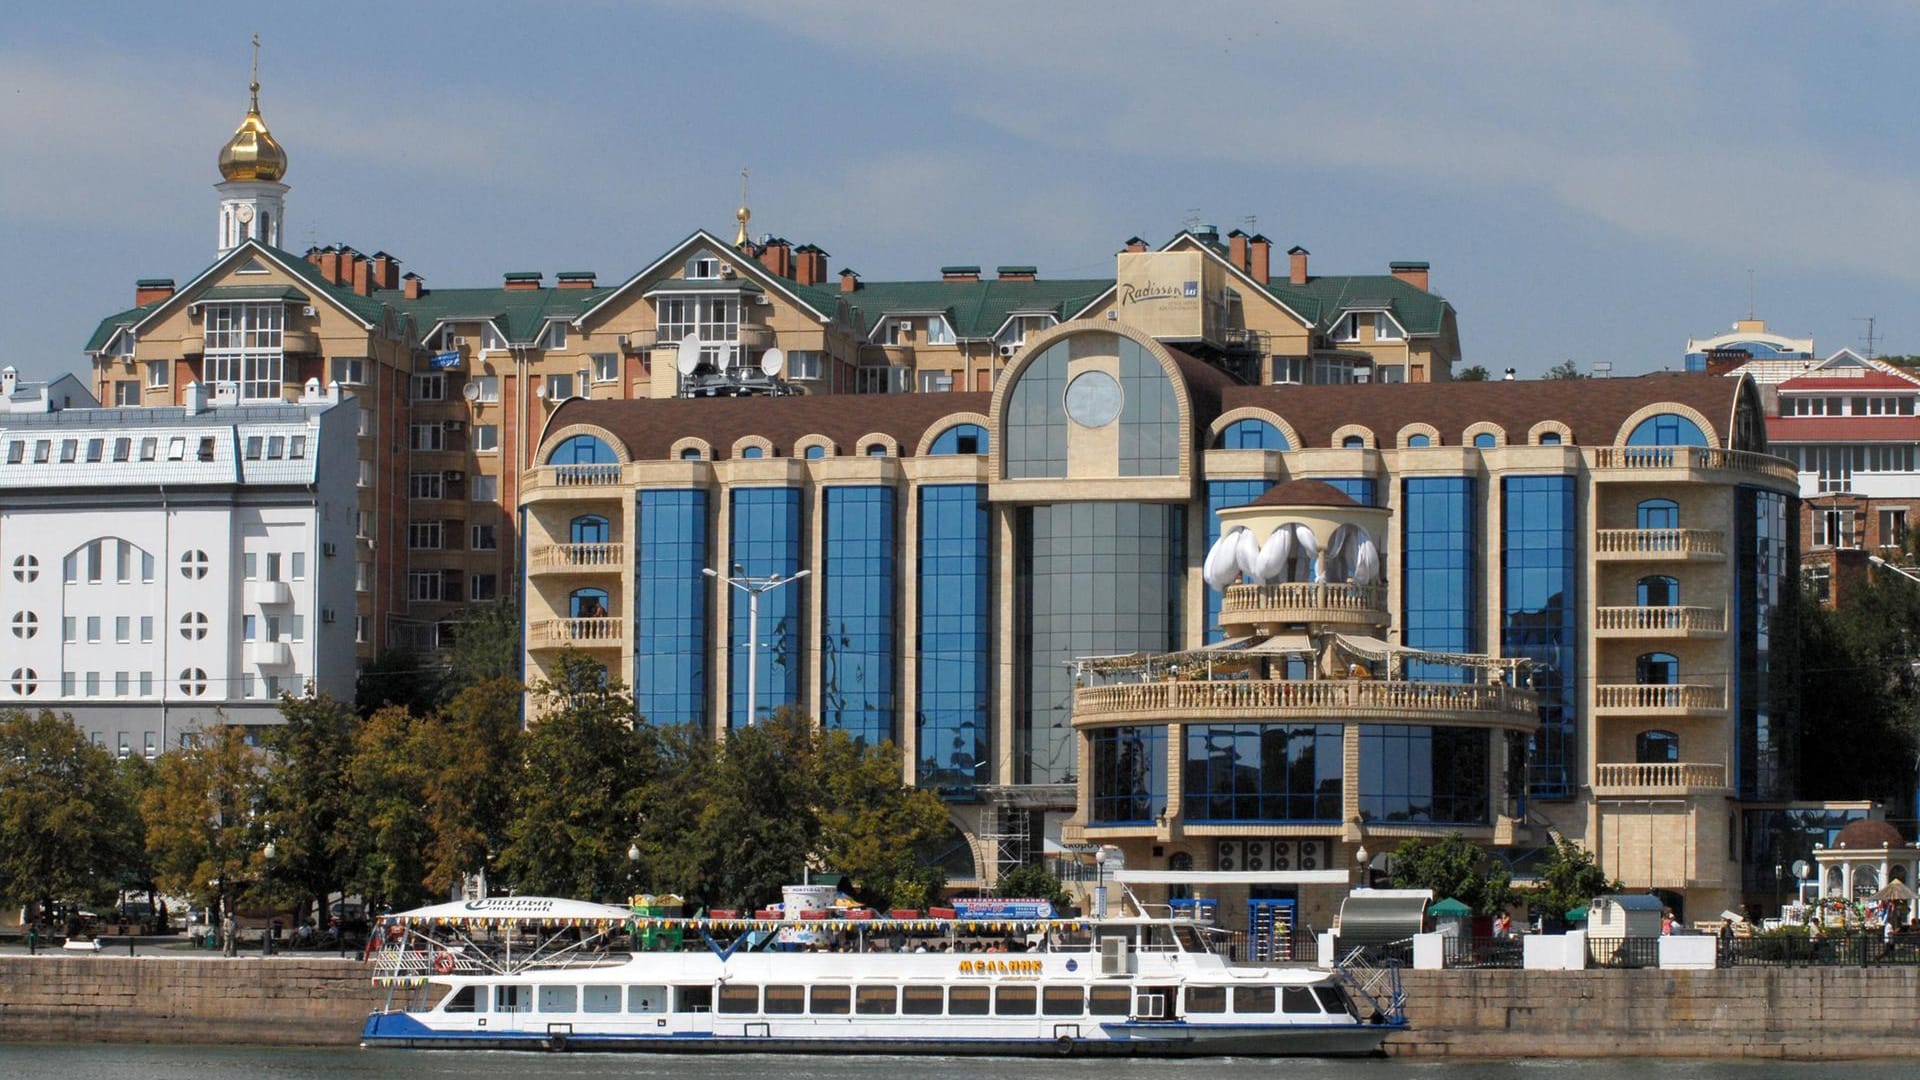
[1160, 292]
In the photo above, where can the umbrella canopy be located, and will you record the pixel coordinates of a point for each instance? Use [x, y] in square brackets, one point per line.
[1578, 914]
[1450, 909]
[1894, 890]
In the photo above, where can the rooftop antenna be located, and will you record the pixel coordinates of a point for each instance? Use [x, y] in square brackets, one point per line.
[1192, 221]
[1870, 321]
[1749, 292]
[1252, 222]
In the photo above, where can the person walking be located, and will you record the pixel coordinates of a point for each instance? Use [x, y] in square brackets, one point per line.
[229, 946]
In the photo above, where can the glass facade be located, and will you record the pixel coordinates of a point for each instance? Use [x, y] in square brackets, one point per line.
[1538, 615]
[670, 607]
[954, 647]
[1036, 418]
[1424, 775]
[1090, 579]
[767, 525]
[1666, 429]
[1438, 549]
[1262, 772]
[1765, 550]
[1149, 415]
[1222, 494]
[960, 439]
[1361, 489]
[857, 658]
[1129, 780]
[582, 450]
[1252, 434]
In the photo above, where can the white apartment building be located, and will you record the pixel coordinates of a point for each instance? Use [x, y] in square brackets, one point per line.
[166, 569]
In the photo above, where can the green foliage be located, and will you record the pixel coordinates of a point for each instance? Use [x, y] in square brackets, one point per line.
[873, 827]
[388, 826]
[466, 759]
[1475, 373]
[1857, 692]
[1565, 369]
[398, 677]
[202, 834]
[308, 805]
[1569, 880]
[486, 648]
[63, 814]
[1031, 882]
[1453, 867]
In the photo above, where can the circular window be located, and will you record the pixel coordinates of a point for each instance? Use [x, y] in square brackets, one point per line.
[193, 565]
[26, 568]
[193, 625]
[25, 680]
[1093, 399]
[25, 624]
[193, 681]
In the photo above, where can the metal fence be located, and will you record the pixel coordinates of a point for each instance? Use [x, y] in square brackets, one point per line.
[1839, 950]
[1482, 952]
[1623, 952]
[1240, 947]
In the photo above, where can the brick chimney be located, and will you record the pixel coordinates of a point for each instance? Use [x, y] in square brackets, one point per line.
[523, 279]
[959, 273]
[362, 275]
[1017, 273]
[1296, 265]
[1237, 248]
[809, 265]
[1259, 258]
[147, 290]
[412, 286]
[1413, 273]
[1136, 245]
[329, 264]
[386, 271]
[575, 279]
[849, 280]
[777, 255]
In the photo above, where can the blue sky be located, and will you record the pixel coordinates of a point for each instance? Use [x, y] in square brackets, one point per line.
[1590, 183]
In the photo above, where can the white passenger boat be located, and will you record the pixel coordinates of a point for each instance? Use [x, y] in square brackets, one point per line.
[538, 973]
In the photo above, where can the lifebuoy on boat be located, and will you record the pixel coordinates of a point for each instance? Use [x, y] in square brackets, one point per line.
[443, 962]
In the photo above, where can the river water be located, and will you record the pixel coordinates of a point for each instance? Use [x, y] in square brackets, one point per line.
[211, 1063]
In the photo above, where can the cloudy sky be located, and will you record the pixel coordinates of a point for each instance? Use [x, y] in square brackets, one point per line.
[1593, 183]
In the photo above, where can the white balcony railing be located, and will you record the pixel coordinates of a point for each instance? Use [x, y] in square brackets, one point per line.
[1660, 543]
[588, 557]
[1665, 776]
[1276, 696]
[1676, 621]
[1669, 699]
[592, 633]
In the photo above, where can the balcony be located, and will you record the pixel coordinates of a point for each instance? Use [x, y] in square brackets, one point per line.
[269, 593]
[753, 336]
[1676, 700]
[576, 482]
[599, 558]
[1625, 780]
[605, 633]
[1659, 545]
[269, 653]
[1616, 463]
[1331, 699]
[1660, 622]
[1304, 602]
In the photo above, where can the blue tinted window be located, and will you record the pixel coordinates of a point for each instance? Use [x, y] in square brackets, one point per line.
[691, 453]
[1549, 438]
[588, 529]
[1437, 592]
[1658, 514]
[1656, 747]
[588, 604]
[1424, 775]
[857, 652]
[1666, 429]
[766, 530]
[1036, 417]
[960, 439]
[1658, 590]
[582, 450]
[815, 452]
[1656, 669]
[670, 607]
[1262, 772]
[955, 646]
[1252, 434]
[1485, 441]
[1222, 494]
[1129, 778]
[753, 452]
[1765, 557]
[1418, 442]
[1353, 442]
[1361, 489]
[1538, 573]
[1149, 416]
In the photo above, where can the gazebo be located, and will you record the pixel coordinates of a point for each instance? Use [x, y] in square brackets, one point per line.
[1865, 858]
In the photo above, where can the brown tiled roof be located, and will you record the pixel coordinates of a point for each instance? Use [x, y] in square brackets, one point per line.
[1304, 493]
[1869, 833]
[1593, 408]
[651, 427]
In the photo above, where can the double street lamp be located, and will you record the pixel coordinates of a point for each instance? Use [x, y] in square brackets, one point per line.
[754, 587]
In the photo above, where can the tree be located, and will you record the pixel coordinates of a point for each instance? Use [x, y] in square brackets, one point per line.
[307, 796]
[758, 823]
[1565, 369]
[62, 810]
[1857, 690]
[486, 647]
[1569, 880]
[1476, 373]
[201, 830]
[1453, 867]
[873, 827]
[389, 821]
[398, 677]
[1031, 882]
[468, 757]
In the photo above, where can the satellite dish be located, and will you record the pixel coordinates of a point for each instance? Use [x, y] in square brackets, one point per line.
[1800, 868]
[471, 391]
[689, 354]
[770, 362]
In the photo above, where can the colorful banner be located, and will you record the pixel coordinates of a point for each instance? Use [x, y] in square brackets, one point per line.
[446, 361]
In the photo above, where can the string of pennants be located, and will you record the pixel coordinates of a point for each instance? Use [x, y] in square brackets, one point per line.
[971, 926]
[600, 925]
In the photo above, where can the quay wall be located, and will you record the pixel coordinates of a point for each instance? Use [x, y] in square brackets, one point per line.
[1805, 1013]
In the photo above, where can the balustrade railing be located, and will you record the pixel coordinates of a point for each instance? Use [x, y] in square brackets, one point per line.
[1658, 542]
[578, 476]
[1691, 457]
[1668, 696]
[1663, 774]
[588, 556]
[597, 631]
[1281, 694]
[1675, 619]
[1304, 594]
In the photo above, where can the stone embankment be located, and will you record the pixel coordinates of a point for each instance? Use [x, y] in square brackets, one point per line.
[1807, 1013]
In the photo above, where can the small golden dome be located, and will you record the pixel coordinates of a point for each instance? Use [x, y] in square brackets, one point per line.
[252, 153]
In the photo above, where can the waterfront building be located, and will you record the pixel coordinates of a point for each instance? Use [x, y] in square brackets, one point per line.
[968, 552]
[173, 568]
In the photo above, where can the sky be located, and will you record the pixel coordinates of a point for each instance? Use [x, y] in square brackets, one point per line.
[1594, 183]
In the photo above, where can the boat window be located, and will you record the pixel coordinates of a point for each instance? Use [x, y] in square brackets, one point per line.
[1206, 999]
[1063, 1000]
[786, 1000]
[1253, 999]
[967, 1001]
[876, 1000]
[1110, 1000]
[832, 1000]
[513, 998]
[1333, 1001]
[649, 999]
[558, 999]
[739, 999]
[1297, 999]
[922, 1000]
[693, 999]
[461, 1000]
[1014, 1000]
[600, 999]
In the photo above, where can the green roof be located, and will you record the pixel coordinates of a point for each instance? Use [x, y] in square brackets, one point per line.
[1324, 299]
[977, 309]
[254, 292]
[119, 320]
[683, 285]
[154, 283]
[519, 313]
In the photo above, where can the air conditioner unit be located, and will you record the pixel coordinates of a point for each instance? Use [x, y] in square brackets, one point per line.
[624, 341]
[1113, 956]
[459, 342]
[326, 615]
[726, 269]
[1009, 350]
[456, 425]
[307, 311]
[454, 476]
[329, 549]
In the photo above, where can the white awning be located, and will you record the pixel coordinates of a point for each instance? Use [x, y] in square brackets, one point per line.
[1231, 877]
[514, 909]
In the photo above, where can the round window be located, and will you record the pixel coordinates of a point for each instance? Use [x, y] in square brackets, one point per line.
[1093, 399]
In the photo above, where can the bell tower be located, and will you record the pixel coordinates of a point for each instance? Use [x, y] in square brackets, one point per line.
[252, 198]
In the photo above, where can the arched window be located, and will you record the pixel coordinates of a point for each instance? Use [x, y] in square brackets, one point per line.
[1549, 438]
[1658, 514]
[815, 452]
[960, 439]
[588, 529]
[1659, 590]
[1656, 669]
[1252, 434]
[1353, 442]
[690, 453]
[1667, 429]
[1656, 747]
[753, 452]
[1485, 441]
[1866, 880]
[1836, 885]
[582, 450]
[1414, 442]
[878, 449]
[588, 604]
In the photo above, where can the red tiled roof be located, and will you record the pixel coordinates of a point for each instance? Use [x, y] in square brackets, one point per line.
[650, 427]
[1870, 379]
[1304, 493]
[1852, 429]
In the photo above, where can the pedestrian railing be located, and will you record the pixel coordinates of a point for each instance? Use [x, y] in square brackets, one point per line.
[1623, 952]
[1833, 950]
[1482, 952]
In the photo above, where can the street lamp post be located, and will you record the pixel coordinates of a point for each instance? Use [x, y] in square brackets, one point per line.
[753, 587]
[266, 873]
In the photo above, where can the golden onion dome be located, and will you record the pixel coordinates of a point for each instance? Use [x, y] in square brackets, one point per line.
[252, 153]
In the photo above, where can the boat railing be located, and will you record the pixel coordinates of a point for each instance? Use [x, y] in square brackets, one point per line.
[1376, 982]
